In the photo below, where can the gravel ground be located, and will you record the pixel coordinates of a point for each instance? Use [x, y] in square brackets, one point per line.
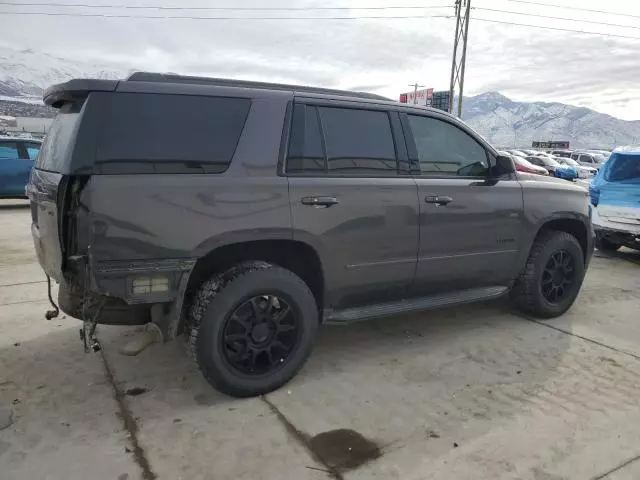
[469, 393]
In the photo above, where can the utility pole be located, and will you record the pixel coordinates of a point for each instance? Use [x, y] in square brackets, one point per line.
[463, 11]
[415, 91]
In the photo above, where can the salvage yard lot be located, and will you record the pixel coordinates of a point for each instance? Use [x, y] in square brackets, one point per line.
[467, 393]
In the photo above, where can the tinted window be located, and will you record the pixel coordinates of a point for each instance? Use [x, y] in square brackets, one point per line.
[536, 161]
[9, 150]
[444, 149]
[586, 159]
[623, 167]
[171, 133]
[358, 141]
[305, 143]
[32, 150]
[56, 148]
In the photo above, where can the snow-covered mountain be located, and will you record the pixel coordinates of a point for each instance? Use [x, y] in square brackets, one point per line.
[506, 123]
[26, 73]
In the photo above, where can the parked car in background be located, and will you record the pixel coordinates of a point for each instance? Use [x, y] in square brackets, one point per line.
[589, 159]
[615, 197]
[523, 165]
[17, 155]
[561, 153]
[554, 168]
[519, 153]
[583, 172]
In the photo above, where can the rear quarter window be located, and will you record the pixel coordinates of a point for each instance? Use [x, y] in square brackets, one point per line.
[152, 133]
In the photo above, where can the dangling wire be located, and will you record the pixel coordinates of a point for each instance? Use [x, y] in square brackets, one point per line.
[56, 311]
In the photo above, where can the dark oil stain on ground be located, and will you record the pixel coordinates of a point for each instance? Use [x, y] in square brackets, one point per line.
[344, 449]
[135, 391]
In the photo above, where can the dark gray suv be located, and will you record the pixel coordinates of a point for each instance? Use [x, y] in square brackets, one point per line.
[246, 214]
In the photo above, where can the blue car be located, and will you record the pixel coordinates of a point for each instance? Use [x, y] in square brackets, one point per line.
[615, 200]
[16, 160]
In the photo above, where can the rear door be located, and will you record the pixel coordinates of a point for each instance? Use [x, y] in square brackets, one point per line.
[47, 186]
[470, 218]
[352, 198]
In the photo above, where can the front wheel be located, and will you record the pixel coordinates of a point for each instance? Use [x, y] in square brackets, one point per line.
[552, 277]
[252, 328]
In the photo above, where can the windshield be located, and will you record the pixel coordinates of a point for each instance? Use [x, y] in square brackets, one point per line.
[571, 161]
[624, 167]
[551, 162]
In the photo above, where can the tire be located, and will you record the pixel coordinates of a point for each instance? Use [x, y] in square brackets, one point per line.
[605, 245]
[226, 302]
[532, 292]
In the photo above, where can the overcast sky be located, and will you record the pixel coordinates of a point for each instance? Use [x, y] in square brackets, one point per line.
[379, 55]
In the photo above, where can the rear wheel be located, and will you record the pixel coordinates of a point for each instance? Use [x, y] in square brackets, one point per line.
[605, 245]
[552, 276]
[252, 328]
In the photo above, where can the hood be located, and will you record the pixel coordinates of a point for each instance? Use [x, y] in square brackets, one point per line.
[523, 176]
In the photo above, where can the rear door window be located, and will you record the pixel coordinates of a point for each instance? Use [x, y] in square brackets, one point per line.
[358, 141]
[152, 133]
[341, 141]
[306, 152]
[9, 150]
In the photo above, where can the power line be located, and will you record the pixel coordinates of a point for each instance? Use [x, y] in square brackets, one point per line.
[566, 7]
[188, 17]
[161, 7]
[556, 18]
[555, 28]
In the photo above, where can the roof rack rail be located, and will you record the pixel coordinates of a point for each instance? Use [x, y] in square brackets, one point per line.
[229, 82]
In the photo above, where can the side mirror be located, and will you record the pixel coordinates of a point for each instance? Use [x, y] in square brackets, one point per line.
[504, 165]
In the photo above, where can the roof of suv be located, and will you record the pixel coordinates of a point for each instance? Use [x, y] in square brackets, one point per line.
[230, 82]
[57, 94]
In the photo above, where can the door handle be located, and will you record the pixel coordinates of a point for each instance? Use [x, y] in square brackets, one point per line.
[325, 202]
[438, 199]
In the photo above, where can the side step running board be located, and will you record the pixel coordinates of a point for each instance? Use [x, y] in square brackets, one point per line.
[350, 315]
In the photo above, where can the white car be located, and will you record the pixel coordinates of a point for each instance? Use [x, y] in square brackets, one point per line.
[586, 159]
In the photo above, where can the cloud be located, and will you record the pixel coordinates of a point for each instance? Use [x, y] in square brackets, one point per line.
[383, 55]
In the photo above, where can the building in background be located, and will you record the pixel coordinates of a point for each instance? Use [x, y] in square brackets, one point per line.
[37, 127]
[427, 98]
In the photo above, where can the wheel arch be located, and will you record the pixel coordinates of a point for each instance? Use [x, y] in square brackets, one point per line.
[294, 255]
[576, 225]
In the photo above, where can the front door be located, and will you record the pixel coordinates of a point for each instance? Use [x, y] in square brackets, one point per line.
[351, 202]
[470, 220]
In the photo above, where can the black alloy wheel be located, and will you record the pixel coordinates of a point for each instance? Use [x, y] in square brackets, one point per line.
[252, 328]
[260, 334]
[558, 276]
